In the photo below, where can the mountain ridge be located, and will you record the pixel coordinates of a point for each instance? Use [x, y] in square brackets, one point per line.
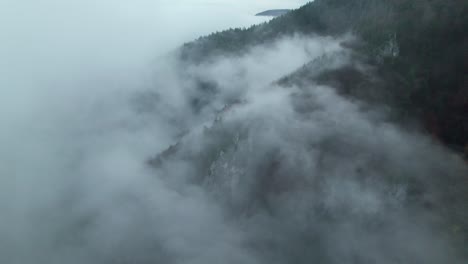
[417, 48]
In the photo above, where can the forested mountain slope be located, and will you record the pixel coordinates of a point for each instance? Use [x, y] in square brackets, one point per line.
[327, 135]
[417, 48]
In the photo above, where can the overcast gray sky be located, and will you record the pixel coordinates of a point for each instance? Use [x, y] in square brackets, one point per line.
[107, 27]
[52, 45]
[55, 40]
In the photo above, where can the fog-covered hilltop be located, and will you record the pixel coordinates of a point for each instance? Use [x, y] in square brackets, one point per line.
[332, 134]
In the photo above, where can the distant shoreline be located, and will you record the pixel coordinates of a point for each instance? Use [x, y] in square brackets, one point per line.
[273, 12]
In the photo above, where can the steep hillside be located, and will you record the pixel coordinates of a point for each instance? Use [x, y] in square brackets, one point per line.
[327, 135]
[417, 48]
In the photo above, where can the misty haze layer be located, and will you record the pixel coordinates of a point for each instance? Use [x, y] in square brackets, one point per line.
[216, 163]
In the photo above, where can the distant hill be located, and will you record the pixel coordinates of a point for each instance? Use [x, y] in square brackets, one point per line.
[273, 12]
